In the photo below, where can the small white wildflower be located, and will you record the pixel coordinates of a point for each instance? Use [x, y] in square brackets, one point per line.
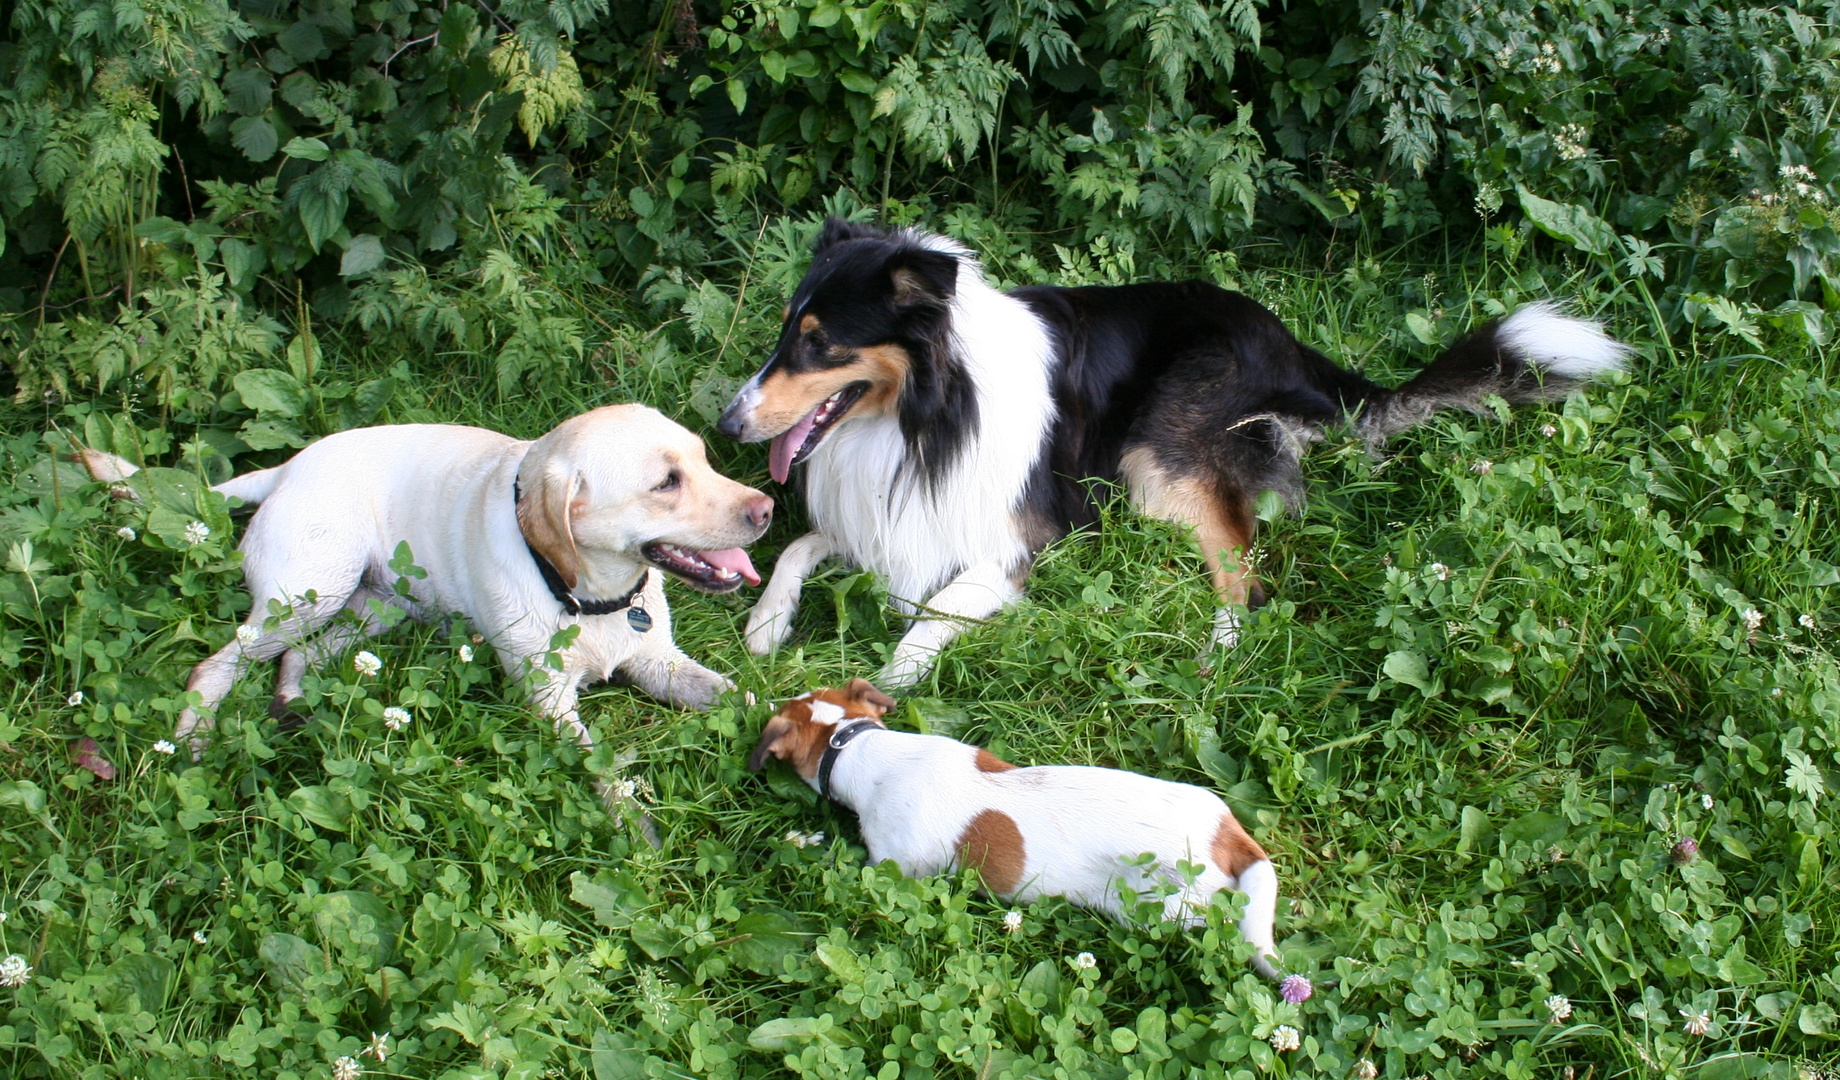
[1012, 921]
[200, 938]
[1555, 853]
[1558, 1008]
[1440, 571]
[2, 916]
[1285, 1037]
[1571, 142]
[75, 699]
[396, 718]
[1504, 55]
[379, 1047]
[466, 654]
[1752, 618]
[1085, 961]
[126, 532]
[1796, 173]
[347, 1068]
[246, 635]
[1488, 199]
[165, 747]
[1548, 430]
[367, 663]
[1698, 1023]
[748, 696]
[1806, 622]
[1705, 801]
[14, 971]
[1365, 1070]
[1483, 467]
[197, 532]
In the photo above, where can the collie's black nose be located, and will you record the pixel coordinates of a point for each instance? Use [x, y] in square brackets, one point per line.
[730, 424]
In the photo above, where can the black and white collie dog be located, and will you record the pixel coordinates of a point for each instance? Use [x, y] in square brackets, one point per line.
[951, 431]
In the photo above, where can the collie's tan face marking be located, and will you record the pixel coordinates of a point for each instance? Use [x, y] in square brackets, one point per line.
[1225, 537]
[786, 396]
[802, 727]
[1233, 849]
[992, 845]
[989, 762]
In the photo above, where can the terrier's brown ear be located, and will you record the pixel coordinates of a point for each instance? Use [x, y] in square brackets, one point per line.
[546, 507]
[864, 693]
[772, 741]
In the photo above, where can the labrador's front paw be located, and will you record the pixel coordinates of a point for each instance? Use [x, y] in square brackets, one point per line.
[692, 686]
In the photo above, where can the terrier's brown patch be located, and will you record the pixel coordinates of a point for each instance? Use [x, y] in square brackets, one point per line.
[992, 845]
[989, 762]
[1233, 849]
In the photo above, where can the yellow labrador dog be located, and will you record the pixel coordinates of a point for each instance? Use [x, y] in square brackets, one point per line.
[522, 538]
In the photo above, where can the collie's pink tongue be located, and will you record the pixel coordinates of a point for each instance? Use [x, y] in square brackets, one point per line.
[733, 559]
[785, 445]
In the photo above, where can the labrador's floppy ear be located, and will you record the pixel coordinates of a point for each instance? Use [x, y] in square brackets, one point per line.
[864, 693]
[545, 509]
[771, 738]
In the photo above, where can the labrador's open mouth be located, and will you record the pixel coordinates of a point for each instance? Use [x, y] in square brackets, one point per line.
[796, 443]
[710, 571]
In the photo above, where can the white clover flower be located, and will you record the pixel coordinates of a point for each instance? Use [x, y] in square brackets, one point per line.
[1558, 1008]
[347, 1068]
[165, 747]
[1285, 1037]
[1085, 961]
[466, 654]
[14, 971]
[126, 532]
[75, 699]
[1698, 1023]
[1365, 1070]
[1548, 430]
[246, 635]
[1012, 921]
[803, 839]
[1806, 622]
[1705, 801]
[197, 532]
[1752, 619]
[200, 938]
[367, 663]
[1483, 467]
[379, 1047]
[1440, 571]
[1555, 853]
[396, 718]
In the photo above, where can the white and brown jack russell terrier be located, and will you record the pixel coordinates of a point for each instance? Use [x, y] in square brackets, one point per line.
[931, 804]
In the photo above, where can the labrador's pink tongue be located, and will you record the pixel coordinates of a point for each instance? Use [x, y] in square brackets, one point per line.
[733, 559]
[780, 452]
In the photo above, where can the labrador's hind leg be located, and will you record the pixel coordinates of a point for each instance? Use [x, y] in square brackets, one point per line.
[340, 635]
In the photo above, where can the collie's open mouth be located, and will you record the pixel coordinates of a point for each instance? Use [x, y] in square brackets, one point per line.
[796, 443]
[710, 571]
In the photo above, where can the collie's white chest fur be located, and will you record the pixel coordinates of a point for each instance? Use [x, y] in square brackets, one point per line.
[869, 499]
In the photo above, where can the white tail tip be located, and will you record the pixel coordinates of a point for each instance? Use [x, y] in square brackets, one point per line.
[1543, 335]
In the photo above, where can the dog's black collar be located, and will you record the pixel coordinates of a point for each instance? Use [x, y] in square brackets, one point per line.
[838, 740]
[640, 619]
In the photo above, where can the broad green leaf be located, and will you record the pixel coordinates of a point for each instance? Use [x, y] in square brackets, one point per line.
[306, 149]
[303, 41]
[1409, 668]
[248, 90]
[323, 807]
[291, 961]
[1421, 328]
[1576, 225]
[271, 390]
[765, 938]
[616, 1057]
[322, 211]
[24, 794]
[787, 1032]
[363, 255]
[255, 137]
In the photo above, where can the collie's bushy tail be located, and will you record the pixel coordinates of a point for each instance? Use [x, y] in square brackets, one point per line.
[1536, 354]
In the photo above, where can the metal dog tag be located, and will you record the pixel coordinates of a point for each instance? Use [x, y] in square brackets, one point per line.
[639, 619]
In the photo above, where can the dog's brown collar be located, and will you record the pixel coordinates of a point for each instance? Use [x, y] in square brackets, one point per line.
[640, 619]
[839, 739]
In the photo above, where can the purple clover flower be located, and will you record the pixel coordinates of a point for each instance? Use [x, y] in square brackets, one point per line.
[1296, 989]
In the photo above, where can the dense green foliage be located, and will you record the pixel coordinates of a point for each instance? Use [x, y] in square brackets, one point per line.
[1508, 670]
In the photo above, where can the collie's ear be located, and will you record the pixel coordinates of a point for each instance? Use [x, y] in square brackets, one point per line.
[772, 738]
[864, 693]
[545, 510]
[837, 230]
[919, 276]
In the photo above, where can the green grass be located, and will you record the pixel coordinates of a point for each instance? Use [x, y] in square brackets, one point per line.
[1483, 707]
